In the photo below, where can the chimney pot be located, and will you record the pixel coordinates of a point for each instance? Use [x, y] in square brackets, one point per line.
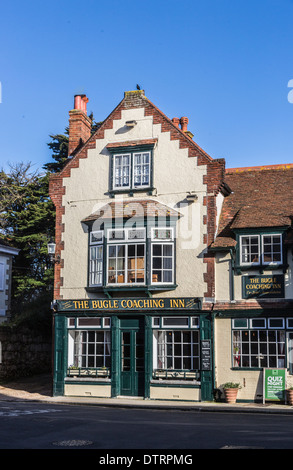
[80, 102]
[184, 122]
[176, 121]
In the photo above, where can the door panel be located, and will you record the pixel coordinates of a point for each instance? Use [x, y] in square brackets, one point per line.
[132, 357]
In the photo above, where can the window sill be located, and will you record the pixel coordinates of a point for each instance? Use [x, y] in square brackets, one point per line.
[130, 191]
[87, 379]
[132, 288]
[168, 382]
[261, 267]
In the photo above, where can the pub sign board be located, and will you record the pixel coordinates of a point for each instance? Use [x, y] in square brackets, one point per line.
[274, 384]
[128, 304]
[206, 354]
[264, 286]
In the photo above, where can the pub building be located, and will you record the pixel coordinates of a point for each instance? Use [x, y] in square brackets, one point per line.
[253, 311]
[172, 274]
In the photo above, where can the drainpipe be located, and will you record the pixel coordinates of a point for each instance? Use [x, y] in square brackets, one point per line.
[232, 268]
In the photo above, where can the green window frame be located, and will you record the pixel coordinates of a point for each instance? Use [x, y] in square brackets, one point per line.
[96, 258]
[139, 257]
[259, 342]
[89, 346]
[260, 249]
[176, 347]
[131, 170]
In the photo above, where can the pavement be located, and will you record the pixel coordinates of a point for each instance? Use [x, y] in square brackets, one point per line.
[39, 389]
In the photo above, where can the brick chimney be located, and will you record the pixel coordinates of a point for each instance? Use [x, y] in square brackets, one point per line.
[184, 122]
[79, 124]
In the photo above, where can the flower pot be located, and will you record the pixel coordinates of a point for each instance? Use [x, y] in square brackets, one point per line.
[289, 397]
[230, 394]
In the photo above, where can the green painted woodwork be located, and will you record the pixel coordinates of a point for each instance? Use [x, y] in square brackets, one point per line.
[260, 267]
[115, 369]
[206, 375]
[148, 354]
[132, 357]
[59, 368]
[132, 354]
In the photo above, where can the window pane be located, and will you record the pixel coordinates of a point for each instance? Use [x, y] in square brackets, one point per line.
[126, 264]
[121, 170]
[90, 350]
[177, 349]
[259, 348]
[96, 265]
[272, 248]
[162, 263]
[175, 321]
[249, 249]
[141, 169]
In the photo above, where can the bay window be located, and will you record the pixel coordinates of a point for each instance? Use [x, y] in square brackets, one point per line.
[126, 256]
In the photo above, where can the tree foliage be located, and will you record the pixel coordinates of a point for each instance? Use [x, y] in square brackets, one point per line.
[26, 222]
[59, 147]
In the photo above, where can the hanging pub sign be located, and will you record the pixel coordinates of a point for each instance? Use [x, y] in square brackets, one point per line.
[274, 384]
[141, 304]
[266, 286]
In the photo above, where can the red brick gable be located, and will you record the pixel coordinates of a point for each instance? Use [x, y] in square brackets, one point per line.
[213, 179]
[261, 197]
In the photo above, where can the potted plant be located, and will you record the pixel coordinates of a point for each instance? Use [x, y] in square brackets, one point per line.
[289, 393]
[231, 391]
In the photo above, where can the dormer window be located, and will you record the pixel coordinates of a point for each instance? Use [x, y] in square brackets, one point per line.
[131, 170]
[263, 249]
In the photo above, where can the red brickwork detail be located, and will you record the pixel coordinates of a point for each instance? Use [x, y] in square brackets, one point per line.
[79, 130]
[213, 179]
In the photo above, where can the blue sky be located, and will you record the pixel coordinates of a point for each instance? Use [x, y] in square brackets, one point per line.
[225, 64]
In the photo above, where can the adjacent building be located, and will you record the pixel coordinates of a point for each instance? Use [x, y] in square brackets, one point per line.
[6, 255]
[161, 260]
[254, 290]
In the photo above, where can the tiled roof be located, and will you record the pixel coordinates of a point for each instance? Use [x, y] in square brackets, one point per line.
[132, 208]
[132, 143]
[261, 197]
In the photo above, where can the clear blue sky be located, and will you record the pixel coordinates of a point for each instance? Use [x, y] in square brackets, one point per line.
[225, 64]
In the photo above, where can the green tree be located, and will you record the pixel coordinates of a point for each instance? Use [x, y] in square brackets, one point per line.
[59, 147]
[27, 222]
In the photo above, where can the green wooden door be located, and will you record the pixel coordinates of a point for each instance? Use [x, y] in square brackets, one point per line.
[132, 357]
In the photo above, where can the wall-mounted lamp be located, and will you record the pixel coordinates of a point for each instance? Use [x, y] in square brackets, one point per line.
[130, 123]
[191, 196]
[51, 252]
